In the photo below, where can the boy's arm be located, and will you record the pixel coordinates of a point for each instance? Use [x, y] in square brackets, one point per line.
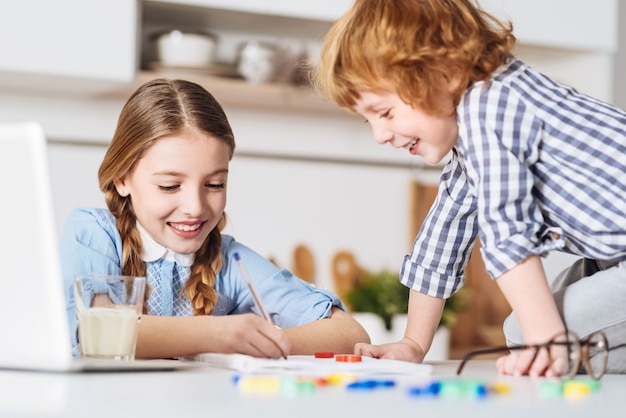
[423, 319]
[526, 289]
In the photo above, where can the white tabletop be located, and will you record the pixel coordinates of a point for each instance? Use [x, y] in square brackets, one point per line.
[206, 392]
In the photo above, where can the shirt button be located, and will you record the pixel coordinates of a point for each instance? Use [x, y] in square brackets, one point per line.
[555, 235]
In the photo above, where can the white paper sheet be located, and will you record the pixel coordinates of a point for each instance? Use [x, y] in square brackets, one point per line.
[309, 365]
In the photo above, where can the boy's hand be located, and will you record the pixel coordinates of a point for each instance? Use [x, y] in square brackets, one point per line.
[405, 349]
[520, 364]
[526, 289]
[534, 362]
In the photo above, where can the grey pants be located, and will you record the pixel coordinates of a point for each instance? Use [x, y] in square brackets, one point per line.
[590, 296]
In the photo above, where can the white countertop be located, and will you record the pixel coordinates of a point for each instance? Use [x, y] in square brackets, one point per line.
[207, 392]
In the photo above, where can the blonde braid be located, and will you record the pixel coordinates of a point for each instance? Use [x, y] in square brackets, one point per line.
[121, 208]
[200, 287]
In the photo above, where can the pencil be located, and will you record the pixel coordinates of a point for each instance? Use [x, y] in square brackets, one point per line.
[255, 296]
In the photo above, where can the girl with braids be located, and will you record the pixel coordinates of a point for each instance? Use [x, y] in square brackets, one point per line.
[164, 177]
[532, 166]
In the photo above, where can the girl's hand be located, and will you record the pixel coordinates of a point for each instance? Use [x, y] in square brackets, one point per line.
[405, 349]
[252, 335]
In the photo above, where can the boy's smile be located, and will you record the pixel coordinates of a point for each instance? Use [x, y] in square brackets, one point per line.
[396, 122]
[411, 146]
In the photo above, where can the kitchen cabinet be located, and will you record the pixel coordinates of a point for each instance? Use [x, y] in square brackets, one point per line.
[577, 42]
[326, 10]
[78, 46]
[66, 45]
[235, 22]
[242, 20]
[558, 23]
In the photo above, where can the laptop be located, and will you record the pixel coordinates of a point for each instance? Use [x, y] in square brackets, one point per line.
[33, 317]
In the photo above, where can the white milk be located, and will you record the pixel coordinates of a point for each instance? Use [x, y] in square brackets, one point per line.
[108, 332]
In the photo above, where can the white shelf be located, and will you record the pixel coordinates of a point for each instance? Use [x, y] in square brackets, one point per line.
[219, 15]
[238, 92]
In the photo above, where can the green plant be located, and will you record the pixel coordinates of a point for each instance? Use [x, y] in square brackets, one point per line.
[382, 293]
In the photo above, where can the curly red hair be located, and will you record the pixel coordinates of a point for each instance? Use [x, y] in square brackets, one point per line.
[410, 47]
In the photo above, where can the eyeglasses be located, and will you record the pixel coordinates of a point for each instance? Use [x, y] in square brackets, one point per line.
[566, 353]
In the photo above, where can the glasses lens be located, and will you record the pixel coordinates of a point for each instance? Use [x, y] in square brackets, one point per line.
[598, 354]
[565, 354]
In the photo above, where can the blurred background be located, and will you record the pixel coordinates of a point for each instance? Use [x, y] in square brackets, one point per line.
[308, 185]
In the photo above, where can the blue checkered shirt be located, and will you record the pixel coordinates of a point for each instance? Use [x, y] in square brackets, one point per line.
[537, 167]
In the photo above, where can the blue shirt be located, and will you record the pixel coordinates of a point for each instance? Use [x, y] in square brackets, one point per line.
[91, 243]
[537, 167]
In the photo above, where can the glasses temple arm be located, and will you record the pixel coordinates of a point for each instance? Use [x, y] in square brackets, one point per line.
[491, 350]
[476, 353]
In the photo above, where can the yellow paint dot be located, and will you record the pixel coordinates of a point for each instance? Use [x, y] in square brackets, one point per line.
[259, 384]
[340, 378]
[500, 388]
[576, 389]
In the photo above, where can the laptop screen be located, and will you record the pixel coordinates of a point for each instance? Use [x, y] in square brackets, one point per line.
[33, 321]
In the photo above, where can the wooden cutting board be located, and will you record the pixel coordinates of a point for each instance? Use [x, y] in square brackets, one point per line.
[304, 263]
[346, 272]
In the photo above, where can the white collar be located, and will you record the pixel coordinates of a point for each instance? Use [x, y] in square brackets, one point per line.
[152, 250]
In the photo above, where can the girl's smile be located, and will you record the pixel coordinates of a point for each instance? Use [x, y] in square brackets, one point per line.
[186, 229]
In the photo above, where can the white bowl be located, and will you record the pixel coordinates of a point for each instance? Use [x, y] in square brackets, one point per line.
[177, 48]
[257, 62]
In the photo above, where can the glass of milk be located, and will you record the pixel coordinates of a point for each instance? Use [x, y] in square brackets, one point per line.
[109, 309]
